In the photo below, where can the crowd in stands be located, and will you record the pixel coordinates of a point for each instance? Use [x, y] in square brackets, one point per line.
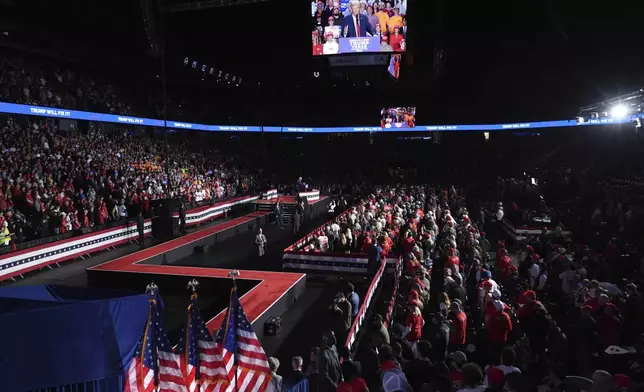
[474, 316]
[39, 83]
[34, 80]
[55, 181]
[357, 229]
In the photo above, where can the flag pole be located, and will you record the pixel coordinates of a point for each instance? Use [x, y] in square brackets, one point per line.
[233, 274]
[152, 289]
[193, 286]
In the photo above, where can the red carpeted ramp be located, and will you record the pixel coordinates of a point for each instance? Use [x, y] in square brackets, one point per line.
[269, 293]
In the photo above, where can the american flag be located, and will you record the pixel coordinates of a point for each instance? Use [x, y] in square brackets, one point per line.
[236, 337]
[155, 367]
[200, 357]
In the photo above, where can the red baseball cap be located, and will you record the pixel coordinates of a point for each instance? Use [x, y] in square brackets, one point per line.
[495, 376]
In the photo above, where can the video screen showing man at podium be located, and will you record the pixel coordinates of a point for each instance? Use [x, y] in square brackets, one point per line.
[358, 26]
[398, 117]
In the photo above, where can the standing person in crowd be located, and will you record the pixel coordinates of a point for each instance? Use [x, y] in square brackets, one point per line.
[316, 45]
[374, 258]
[472, 378]
[415, 325]
[498, 329]
[5, 235]
[351, 373]
[354, 300]
[311, 368]
[440, 339]
[140, 227]
[495, 380]
[373, 19]
[508, 362]
[455, 288]
[297, 218]
[297, 375]
[329, 371]
[420, 370]
[393, 378]
[182, 217]
[260, 241]
[275, 385]
[376, 334]
[444, 303]
[346, 361]
[342, 314]
[277, 211]
[458, 327]
[383, 19]
[455, 361]
[385, 47]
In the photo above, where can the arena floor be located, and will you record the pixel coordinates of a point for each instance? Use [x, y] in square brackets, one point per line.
[300, 327]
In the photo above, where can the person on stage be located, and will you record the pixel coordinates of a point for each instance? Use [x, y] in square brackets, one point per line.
[260, 241]
[356, 24]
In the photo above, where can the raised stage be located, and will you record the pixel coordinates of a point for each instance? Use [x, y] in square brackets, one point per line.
[288, 200]
[16, 264]
[265, 294]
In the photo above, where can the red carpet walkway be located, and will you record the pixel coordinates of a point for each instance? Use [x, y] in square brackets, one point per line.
[271, 287]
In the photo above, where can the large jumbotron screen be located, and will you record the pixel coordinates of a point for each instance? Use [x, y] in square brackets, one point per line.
[358, 26]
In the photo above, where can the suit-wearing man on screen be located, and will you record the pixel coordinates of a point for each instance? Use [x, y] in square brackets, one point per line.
[356, 24]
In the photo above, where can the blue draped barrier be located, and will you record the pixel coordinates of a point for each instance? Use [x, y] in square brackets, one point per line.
[57, 338]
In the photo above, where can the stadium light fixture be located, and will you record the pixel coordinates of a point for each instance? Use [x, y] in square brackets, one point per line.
[621, 106]
[619, 111]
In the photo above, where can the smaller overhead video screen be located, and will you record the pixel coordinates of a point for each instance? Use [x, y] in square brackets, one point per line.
[398, 117]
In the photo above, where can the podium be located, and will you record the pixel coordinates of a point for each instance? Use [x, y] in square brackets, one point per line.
[165, 226]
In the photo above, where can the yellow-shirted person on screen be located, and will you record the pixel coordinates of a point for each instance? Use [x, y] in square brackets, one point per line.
[383, 19]
[395, 20]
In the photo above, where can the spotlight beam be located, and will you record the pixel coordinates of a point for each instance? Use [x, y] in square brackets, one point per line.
[619, 111]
